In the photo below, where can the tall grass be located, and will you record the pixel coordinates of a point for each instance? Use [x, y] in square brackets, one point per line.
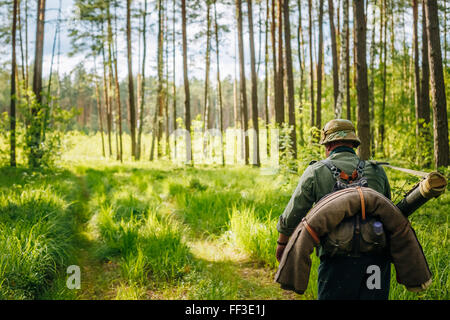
[36, 232]
[148, 246]
[255, 236]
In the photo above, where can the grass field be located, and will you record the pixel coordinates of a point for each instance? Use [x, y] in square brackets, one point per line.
[141, 230]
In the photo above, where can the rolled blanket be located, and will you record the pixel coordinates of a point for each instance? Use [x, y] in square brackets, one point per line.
[406, 252]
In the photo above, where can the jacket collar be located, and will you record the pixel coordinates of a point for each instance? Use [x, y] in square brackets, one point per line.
[342, 149]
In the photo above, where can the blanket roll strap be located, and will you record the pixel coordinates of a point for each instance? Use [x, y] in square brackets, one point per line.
[407, 256]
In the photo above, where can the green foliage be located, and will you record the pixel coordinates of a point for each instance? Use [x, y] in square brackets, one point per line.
[35, 236]
[255, 236]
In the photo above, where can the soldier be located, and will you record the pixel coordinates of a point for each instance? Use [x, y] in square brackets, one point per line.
[339, 276]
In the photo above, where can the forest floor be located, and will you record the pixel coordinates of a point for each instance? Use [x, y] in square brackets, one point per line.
[226, 271]
[145, 230]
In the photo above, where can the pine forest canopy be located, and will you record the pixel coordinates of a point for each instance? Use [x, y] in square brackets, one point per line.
[147, 68]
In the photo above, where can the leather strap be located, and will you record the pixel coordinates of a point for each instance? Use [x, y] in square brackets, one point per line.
[311, 231]
[363, 203]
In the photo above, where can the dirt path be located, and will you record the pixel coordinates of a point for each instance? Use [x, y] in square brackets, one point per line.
[224, 267]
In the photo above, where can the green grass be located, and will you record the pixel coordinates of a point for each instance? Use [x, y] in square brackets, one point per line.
[36, 238]
[143, 230]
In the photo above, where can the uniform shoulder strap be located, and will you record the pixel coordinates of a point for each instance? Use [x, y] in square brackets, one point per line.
[360, 168]
[334, 170]
[337, 172]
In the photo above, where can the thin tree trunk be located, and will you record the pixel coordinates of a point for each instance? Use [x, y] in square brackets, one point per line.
[160, 89]
[142, 86]
[416, 71]
[319, 69]
[425, 84]
[361, 80]
[12, 115]
[166, 80]
[290, 78]
[132, 106]
[334, 53]
[35, 141]
[279, 102]
[219, 84]
[266, 74]
[301, 65]
[383, 56]
[207, 107]
[257, 161]
[99, 106]
[119, 102]
[311, 64]
[114, 78]
[372, 83]
[346, 14]
[174, 86]
[438, 98]
[343, 69]
[107, 100]
[274, 56]
[266, 66]
[187, 99]
[243, 93]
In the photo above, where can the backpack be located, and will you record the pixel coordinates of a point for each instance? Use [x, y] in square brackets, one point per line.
[359, 234]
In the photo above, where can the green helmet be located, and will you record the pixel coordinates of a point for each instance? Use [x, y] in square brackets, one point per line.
[339, 130]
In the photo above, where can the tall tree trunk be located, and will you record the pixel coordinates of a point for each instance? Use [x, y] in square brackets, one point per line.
[12, 115]
[187, 98]
[438, 99]
[35, 133]
[416, 70]
[132, 106]
[206, 105]
[266, 75]
[279, 104]
[274, 57]
[361, 80]
[142, 85]
[346, 14]
[243, 93]
[290, 77]
[174, 86]
[383, 55]
[166, 80]
[39, 50]
[311, 63]
[425, 83]
[99, 105]
[266, 66]
[219, 84]
[107, 99]
[301, 65]
[319, 69]
[334, 53]
[256, 160]
[159, 110]
[372, 83]
[343, 71]
[117, 88]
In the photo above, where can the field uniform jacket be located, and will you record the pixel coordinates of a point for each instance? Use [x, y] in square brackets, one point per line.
[405, 250]
[317, 181]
